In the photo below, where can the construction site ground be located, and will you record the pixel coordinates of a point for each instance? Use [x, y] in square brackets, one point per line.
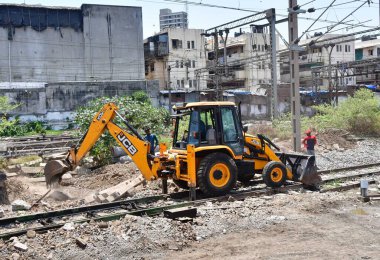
[295, 225]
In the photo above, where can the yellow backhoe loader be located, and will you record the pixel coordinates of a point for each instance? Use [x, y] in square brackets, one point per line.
[210, 150]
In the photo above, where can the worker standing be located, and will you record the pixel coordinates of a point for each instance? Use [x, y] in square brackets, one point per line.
[309, 142]
[152, 139]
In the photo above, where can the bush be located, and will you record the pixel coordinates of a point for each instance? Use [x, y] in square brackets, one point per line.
[359, 115]
[136, 109]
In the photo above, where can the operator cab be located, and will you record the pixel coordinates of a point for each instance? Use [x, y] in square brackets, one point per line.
[208, 124]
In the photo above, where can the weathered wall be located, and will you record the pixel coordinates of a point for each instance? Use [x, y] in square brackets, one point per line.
[56, 102]
[106, 44]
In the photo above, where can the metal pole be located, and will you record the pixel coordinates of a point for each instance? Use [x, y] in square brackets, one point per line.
[225, 54]
[271, 15]
[216, 47]
[170, 91]
[330, 76]
[294, 78]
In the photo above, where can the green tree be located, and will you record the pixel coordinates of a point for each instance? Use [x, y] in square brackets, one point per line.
[136, 109]
[5, 107]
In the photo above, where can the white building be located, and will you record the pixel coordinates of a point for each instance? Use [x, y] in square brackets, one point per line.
[248, 59]
[367, 49]
[181, 50]
[318, 54]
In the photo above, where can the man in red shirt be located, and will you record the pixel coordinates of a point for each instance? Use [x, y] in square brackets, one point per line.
[309, 142]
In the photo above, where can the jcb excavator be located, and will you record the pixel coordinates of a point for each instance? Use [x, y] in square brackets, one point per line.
[210, 150]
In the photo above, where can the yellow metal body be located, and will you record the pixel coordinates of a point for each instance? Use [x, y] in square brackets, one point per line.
[179, 164]
[267, 155]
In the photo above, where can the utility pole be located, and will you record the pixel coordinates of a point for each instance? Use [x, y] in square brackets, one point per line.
[216, 47]
[271, 16]
[170, 90]
[329, 71]
[295, 102]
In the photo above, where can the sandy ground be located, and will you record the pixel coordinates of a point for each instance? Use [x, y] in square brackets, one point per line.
[344, 232]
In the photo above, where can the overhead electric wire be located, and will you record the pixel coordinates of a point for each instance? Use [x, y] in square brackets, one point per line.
[315, 21]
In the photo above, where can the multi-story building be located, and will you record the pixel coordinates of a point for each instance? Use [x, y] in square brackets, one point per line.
[170, 19]
[248, 61]
[336, 51]
[173, 55]
[367, 60]
[50, 44]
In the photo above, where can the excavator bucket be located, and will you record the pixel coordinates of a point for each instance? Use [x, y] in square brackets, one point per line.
[310, 174]
[302, 167]
[53, 171]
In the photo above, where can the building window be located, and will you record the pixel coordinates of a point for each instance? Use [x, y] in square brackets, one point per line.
[347, 48]
[193, 63]
[152, 67]
[190, 83]
[182, 83]
[370, 52]
[177, 44]
[192, 44]
[176, 63]
[195, 83]
[181, 63]
[188, 44]
[178, 83]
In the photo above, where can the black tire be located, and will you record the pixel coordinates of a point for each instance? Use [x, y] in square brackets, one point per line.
[274, 174]
[217, 174]
[181, 184]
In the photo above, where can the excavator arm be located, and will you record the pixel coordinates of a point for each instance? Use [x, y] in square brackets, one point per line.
[133, 144]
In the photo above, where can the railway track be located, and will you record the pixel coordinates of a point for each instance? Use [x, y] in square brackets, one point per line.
[10, 147]
[154, 205]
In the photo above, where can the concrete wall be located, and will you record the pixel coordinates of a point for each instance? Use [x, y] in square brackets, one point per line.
[56, 102]
[108, 47]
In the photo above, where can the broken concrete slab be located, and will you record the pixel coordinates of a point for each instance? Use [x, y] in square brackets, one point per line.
[32, 170]
[20, 205]
[116, 192]
[81, 242]
[20, 246]
[11, 174]
[67, 176]
[189, 212]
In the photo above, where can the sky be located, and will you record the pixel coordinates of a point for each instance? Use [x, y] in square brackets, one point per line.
[202, 17]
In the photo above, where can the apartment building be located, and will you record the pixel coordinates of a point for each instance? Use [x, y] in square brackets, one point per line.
[173, 20]
[172, 57]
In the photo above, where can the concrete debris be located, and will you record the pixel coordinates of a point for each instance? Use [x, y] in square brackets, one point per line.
[118, 191]
[20, 205]
[20, 246]
[66, 176]
[15, 256]
[31, 234]
[103, 224]
[14, 168]
[68, 226]
[32, 170]
[81, 242]
[125, 159]
[59, 196]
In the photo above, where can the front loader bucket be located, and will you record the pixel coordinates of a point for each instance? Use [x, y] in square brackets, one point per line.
[53, 171]
[302, 167]
[310, 174]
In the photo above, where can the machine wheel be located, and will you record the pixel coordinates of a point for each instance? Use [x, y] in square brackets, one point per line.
[216, 174]
[181, 184]
[274, 174]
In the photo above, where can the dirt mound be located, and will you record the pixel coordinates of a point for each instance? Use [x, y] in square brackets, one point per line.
[330, 137]
[107, 176]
